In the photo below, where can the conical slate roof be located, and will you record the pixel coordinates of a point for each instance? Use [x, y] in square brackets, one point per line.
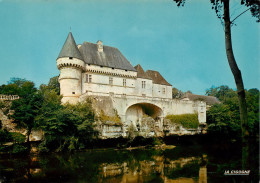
[70, 48]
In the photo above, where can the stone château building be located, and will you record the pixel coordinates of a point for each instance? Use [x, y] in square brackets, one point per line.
[90, 69]
[96, 69]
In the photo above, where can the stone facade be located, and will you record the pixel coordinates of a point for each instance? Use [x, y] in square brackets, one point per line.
[95, 70]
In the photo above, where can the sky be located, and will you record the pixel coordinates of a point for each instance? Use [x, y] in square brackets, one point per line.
[186, 45]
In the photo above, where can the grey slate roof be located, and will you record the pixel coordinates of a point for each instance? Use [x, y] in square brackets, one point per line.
[157, 77]
[110, 57]
[210, 100]
[70, 48]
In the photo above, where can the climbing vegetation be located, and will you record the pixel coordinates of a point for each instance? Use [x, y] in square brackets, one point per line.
[186, 120]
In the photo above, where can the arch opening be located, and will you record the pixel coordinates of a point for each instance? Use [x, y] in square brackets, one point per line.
[136, 112]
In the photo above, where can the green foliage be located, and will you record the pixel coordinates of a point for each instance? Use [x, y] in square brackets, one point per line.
[52, 85]
[17, 137]
[17, 148]
[186, 120]
[104, 118]
[66, 127]
[27, 107]
[177, 93]
[5, 136]
[2, 104]
[224, 118]
[157, 141]
[222, 92]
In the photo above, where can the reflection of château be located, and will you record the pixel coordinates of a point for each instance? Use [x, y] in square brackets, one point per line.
[103, 72]
[168, 171]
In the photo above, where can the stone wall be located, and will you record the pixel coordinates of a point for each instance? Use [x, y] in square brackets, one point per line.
[135, 120]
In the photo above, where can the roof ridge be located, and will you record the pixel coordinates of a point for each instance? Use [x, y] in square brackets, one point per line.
[103, 45]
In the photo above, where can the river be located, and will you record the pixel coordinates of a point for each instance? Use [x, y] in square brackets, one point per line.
[188, 163]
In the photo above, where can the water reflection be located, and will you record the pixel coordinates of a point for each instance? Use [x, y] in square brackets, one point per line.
[161, 169]
[188, 164]
[139, 165]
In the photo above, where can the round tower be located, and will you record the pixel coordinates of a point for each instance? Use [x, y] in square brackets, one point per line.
[71, 64]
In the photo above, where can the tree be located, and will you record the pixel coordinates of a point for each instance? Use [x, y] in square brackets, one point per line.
[65, 126]
[221, 8]
[26, 108]
[177, 93]
[54, 84]
[224, 118]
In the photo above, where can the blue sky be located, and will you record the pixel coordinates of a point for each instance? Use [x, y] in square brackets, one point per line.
[186, 45]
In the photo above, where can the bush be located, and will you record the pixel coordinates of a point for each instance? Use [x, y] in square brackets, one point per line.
[186, 120]
[104, 118]
[17, 137]
[17, 148]
[5, 136]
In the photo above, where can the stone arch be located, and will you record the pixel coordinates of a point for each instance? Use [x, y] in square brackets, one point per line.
[135, 112]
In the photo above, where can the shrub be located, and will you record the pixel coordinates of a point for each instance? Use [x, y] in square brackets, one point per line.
[17, 137]
[17, 148]
[186, 120]
[5, 136]
[104, 118]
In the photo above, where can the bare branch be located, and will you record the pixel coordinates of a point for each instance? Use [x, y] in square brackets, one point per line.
[239, 15]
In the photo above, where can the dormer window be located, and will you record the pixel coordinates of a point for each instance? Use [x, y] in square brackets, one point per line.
[100, 46]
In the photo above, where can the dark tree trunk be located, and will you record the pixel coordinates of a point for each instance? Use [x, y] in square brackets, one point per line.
[239, 84]
[28, 139]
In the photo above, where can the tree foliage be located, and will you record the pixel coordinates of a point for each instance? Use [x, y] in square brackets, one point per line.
[26, 108]
[224, 118]
[66, 127]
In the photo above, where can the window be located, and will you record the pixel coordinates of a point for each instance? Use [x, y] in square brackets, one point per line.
[163, 90]
[73, 92]
[143, 84]
[124, 82]
[110, 80]
[70, 58]
[88, 78]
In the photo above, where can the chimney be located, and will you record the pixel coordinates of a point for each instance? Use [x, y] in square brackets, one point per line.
[100, 46]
